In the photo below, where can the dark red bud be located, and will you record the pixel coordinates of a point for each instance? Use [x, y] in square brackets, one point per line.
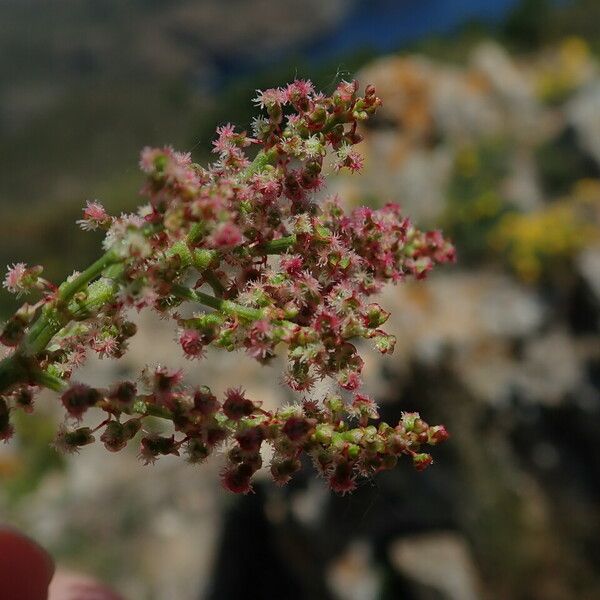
[298, 428]
[250, 439]
[237, 406]
[78, 398]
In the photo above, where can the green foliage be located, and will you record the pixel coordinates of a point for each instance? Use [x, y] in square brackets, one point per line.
[35, 459]
[561, 163]
[474, 203]
[527, 25]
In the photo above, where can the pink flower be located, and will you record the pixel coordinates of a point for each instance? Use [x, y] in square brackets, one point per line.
[286, 269]
[292, 265]
[297, 94]
[105, 347]
[148, 159]
[346, 90]
[165, 380]
[21, 279]
[228, 140]
[259, 343]
[14, 279]
[349, 159]
[226, 235]
[270, 97]
[94, 216]
[191, 343]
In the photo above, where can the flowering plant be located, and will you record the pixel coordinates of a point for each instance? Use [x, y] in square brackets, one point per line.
[277, 267]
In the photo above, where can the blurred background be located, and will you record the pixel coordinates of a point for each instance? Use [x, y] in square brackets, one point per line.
[490, 130]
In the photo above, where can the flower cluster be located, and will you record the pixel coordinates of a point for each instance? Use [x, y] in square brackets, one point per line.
[335, 435]
[277, 263]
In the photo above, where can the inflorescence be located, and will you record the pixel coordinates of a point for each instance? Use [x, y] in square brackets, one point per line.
[276, 266]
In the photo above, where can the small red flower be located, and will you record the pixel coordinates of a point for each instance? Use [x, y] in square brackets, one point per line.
[236, 404]
[237, 478]
[78, 398]
[343, 478]
[250, 439]
[298, 429]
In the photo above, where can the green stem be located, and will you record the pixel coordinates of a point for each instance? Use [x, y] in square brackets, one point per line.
[54, 317]
[69, 288]
[11, 372]
[262, 159]
[151, 410]
[49, 381]
[225, 306]
[277, 246]
[65, 308]
[57, 315]
[214, 282]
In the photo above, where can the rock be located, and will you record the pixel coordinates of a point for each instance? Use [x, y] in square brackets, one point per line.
[550, 368]
[588, 263]
[352, 576]
[439, 560]
[514, 91]
[582, 113]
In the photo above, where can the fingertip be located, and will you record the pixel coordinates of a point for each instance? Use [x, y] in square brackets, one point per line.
[73, 586]
[26, 569]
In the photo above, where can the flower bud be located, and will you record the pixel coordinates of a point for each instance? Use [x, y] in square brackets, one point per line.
[191, 343]
[349, 379]
[24, 399]
[114, 437]
[364, 408]
[250, 439]
[13, 331]
[375, 316]
[437, 434]
[237, 405]
[155, 445]
[124, 393]
[237, 478]
[128, 329]
[383, 342]
[422, 461]
[131, 427]
[69, 441]
[298, 429]
[335, 405]
[78, 398]
[197, 451]
[343, 479]
[205, 402]
[317, 118]
[324, 433]
[282, 469]
[408, 420]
